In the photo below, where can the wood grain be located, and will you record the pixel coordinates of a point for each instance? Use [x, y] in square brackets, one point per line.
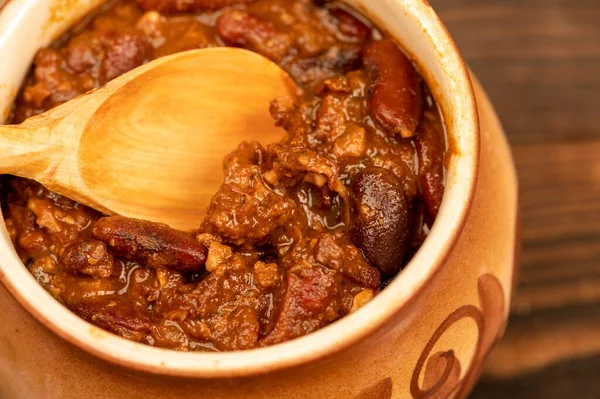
[175, 140]
[539, 61]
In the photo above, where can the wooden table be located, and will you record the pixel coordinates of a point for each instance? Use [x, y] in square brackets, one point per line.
[540, 63]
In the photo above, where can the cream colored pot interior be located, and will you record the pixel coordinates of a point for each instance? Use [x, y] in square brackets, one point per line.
[26, 25]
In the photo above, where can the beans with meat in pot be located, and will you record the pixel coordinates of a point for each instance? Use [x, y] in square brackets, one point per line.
[301, 232]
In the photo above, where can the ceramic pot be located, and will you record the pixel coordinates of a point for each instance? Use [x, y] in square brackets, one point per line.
[425, 336]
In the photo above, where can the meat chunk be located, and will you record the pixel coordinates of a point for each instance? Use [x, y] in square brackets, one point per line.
[245, 210]
[346, 258]
[83, 53]
[236, 330]
[241, 29]
[297, 158]
[65, 223]
[247, 217]
[266, 274]
[349, 27]
[89, 257]
[87, 61]
[169, 334]
[126, 52]
[172, 35]
[222, 309]
[53, 84]
[353, 143]
[308, 302]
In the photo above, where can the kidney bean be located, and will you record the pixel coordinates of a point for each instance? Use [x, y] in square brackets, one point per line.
[394, 88]
[126, 52]
[430, 145]
[156, 244]
[89, 257]
[236, 26]
[171, 6]
[116, 317]
[402, 170]
[241, 29]
[336, 60]
[381, 219]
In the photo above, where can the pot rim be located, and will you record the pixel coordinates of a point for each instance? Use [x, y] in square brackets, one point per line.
[331, 339]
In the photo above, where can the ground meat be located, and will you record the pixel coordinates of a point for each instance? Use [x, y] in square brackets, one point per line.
[187, 5]
[246, 210]
[336, 254]
[292, 159]
[300, 233]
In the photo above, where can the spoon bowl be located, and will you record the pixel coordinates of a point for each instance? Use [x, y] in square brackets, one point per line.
[150, 143]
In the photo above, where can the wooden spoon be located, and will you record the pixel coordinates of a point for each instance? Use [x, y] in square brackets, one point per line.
[150, 144]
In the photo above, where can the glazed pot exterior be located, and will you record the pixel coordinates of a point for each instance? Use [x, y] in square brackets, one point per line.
[433, 346]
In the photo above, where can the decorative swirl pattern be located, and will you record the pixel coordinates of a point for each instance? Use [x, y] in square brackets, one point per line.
[448, 357]
[441, 370]
[488, 319]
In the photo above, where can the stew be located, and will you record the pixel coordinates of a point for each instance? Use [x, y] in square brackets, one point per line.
[301, 232]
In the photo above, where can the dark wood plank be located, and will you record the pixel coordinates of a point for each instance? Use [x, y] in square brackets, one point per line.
[571, 379]
[538, 59]
[537, 340]
[540, 63]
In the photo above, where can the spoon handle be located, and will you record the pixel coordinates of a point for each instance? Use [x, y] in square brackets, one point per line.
[37, 147]
[26, 151]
